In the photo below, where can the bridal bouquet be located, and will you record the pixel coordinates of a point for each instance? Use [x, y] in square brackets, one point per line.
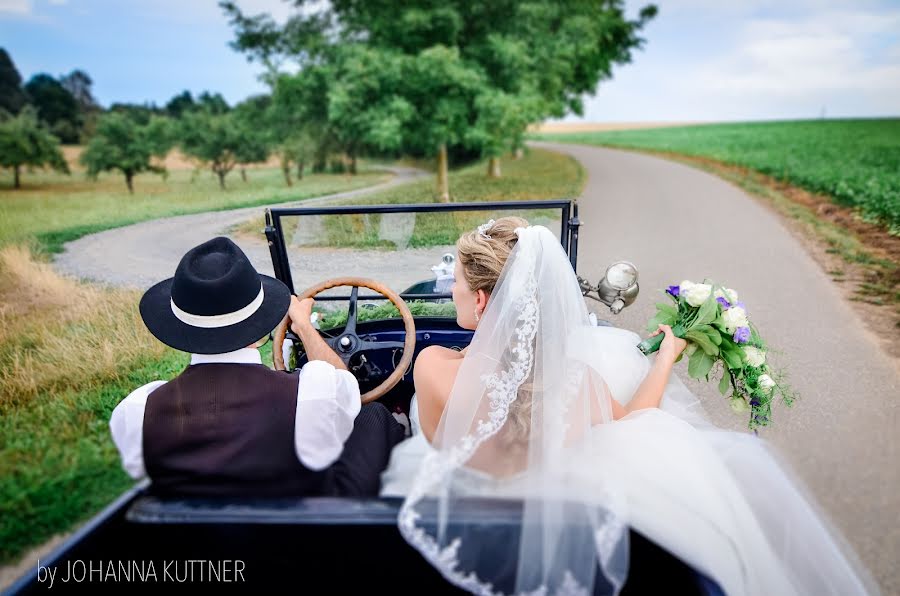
[720, 335]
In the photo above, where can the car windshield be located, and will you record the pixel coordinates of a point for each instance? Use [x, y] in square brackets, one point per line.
[410, 252]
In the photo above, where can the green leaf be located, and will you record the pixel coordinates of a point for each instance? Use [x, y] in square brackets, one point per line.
[713, 335]
[708, 312]
[699, 365]
[702, 340]
[667, 309]
[724, 383]
[732, 355]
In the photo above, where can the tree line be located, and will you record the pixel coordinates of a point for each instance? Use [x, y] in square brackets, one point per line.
[452, 81]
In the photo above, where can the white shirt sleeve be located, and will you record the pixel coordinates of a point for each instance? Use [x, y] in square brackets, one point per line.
[327, 405]
[127, 427]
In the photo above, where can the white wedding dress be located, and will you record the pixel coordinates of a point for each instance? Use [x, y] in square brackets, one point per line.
[720, 501]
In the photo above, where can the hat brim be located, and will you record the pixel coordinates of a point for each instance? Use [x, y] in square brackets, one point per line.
[156, 311]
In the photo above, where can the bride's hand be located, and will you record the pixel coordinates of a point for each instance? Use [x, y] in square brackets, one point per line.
[671, 347]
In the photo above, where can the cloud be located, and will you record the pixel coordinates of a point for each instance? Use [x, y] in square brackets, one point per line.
[15, 7]
[59, 2]
[812, 61]
[759, 59]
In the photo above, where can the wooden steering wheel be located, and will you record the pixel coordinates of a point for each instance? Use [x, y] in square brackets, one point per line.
[348, 343]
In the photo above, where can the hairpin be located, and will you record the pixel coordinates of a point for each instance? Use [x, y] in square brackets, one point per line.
[485, 226]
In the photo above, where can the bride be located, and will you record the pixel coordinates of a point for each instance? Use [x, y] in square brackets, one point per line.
[591, 437]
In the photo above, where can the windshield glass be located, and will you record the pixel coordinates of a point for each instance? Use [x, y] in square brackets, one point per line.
[411, 253]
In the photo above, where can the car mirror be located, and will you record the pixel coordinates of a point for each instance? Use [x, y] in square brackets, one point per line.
[619, 286]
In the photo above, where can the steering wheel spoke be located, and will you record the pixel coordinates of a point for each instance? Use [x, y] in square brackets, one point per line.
[350, 327]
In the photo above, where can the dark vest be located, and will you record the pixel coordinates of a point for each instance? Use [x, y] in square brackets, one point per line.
[226, 430]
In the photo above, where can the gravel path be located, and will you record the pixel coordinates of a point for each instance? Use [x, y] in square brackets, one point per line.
[142, 254]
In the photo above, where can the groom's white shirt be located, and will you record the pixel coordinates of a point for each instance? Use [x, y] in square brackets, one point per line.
[327, 404]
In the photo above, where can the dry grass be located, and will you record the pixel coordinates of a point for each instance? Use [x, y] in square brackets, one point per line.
[56, 333]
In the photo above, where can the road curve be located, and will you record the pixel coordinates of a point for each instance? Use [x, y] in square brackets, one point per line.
[675, 222]
[142, 254]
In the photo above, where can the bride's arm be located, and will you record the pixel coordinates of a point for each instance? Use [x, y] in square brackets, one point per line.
[433, 374]
[650, 392]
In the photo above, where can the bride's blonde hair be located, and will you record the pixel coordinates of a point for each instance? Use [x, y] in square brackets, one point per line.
[482, 254]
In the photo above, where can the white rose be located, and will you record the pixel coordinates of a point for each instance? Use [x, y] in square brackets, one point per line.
[728, 294]
[735, 317]
[697, 294]
[766, 382]
[755, 356]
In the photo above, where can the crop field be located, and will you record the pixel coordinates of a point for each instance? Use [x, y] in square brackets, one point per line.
[855, 162]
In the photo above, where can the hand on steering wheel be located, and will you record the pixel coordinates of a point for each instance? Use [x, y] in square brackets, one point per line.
[347, 343]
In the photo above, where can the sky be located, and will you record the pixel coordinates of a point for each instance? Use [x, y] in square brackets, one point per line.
[703, 60]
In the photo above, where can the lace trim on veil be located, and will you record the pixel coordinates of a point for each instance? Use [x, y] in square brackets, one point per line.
[502, 388]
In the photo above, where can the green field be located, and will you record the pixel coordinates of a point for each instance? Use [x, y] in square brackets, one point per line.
[856, 162]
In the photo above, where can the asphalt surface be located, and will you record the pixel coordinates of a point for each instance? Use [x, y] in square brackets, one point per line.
[841, 438]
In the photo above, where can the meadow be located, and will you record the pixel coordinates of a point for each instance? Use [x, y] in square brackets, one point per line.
[539, 175]
[855, 162]
[70, 351]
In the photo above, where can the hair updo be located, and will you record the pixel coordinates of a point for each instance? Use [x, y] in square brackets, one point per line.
[482, 259]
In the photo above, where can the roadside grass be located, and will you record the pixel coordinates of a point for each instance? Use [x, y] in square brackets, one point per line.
[537, 175]
[70, 351]
[54, 209]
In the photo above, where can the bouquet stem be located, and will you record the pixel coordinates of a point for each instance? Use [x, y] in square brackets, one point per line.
[651, 344]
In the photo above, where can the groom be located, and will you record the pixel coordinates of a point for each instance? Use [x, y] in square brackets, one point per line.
[229, 426]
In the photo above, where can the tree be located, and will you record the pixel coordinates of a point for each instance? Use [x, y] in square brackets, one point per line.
[252, 119]
[55, 106]
[78, 83]
[25, 141]
[213, 139]
[212, 102]
[11, 96]
[121, 143]
[479, 71]
[180, 103]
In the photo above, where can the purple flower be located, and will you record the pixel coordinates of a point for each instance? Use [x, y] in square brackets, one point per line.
[725, 304]
[742, 335]
[674, 290]
[741, 305]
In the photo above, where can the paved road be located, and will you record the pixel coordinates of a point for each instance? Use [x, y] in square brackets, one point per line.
[142, 254]
[675, 223]
[842, 437]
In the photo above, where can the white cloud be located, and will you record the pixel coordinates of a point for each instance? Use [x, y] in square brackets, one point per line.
[707, 63]
[15, 7]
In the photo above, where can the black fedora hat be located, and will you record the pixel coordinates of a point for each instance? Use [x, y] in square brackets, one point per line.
[216, 302]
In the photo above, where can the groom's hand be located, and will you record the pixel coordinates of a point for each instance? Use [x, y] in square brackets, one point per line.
[299, 312]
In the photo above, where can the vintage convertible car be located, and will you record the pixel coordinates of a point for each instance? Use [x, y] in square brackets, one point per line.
[326, 544]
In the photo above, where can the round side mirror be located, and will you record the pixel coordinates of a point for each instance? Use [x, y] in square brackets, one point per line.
[621, 275]
[619, 286]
